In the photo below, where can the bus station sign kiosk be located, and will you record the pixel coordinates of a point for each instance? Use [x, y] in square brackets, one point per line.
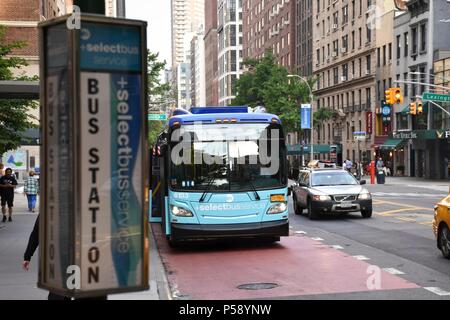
[94, 190]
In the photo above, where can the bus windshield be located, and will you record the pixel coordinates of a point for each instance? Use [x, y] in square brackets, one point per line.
[227, 157]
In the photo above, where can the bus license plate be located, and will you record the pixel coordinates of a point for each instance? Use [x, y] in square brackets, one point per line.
[346, 204]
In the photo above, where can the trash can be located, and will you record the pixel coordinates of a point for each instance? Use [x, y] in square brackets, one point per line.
[381, 177]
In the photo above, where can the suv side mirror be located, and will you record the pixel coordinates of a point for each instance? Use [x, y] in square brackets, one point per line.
[362, 182]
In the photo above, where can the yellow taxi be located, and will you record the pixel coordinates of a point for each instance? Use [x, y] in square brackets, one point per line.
[441, 225]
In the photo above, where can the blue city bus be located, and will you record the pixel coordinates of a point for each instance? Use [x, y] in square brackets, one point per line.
[220, 172]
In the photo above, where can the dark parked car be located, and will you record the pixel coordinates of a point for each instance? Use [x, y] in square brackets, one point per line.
[330, 191]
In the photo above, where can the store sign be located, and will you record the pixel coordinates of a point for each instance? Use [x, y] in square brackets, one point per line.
[404, 135]
[423, 134]
[94, 164]
[369, 122]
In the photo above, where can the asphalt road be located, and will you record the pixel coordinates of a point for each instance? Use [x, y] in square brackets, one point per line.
[398, 236]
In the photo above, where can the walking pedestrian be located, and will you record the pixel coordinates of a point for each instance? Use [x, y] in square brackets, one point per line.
[8, 183]
[31, 190]
[33, 243]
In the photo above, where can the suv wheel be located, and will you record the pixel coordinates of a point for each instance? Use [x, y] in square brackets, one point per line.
[297, 209]
[366, 213]
[313, 215]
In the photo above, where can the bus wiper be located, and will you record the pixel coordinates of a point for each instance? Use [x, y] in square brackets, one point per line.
[210, 183]
[254, 190]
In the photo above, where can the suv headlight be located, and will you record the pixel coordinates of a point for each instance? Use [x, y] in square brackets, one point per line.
[277, 208]
[180, 212]
[322, 198]
[365, 196]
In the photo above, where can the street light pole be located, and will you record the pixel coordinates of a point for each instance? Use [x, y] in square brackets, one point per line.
[312, 117]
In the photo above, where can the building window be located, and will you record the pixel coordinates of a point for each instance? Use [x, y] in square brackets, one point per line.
[360, 37]
[423, 38]
[345, 14]
[405, 38]
[378, 57]
[398, 47]
[390, 52]
[414, 40]
[405, 85]
[368, 64]
[353, 40]
[353, 9]
[384, 55]
[345, 42]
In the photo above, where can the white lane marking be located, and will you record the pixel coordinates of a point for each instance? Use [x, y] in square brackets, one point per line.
[393, 271]
[361, 258]
[337, 247]
[398, 194]
[437, 291]
[300, 232]
[317, 239]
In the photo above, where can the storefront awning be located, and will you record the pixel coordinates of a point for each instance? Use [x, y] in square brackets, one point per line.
[391, 144]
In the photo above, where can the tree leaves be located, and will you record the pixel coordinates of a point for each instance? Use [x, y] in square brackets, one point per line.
[267, 83]
[14, 114]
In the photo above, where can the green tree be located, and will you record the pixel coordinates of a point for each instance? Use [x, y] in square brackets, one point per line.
[160, 95]
[267, 83]
[323, 114]
[14, 113]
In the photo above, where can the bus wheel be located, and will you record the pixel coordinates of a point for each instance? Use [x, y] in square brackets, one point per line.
[272, 239]
[173, 243]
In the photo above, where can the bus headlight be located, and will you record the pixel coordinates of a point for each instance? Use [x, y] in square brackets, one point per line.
[180, 212]
[277, 208]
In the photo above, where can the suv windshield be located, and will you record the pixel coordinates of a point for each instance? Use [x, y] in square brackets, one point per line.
[333, 178]
[228, 157]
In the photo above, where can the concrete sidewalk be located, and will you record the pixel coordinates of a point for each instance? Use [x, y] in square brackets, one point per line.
[16, 284]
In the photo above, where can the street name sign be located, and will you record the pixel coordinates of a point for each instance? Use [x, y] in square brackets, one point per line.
[428, 96]
[156, 117]
[93, 221]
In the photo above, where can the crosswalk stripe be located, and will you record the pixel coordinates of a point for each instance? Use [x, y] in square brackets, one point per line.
[393, 271]
[437, 291]
[361, 258]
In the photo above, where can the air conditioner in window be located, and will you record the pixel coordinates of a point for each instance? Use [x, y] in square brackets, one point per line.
[286, 22]
[344, 50]
[335, 26]
[343, 78]
[334, 54]
[367, 72]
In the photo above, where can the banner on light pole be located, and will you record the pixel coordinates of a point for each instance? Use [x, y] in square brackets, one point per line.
[305, 116]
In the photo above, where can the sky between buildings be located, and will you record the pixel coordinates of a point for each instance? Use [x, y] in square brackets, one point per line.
[157, 15]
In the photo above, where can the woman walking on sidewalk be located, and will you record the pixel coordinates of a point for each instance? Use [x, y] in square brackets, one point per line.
[31, 190]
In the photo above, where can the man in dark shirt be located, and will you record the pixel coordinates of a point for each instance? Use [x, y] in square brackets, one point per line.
[8, 183]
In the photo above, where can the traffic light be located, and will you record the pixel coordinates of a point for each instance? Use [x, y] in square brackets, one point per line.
[419, 107]
[398, 97]
[412, 108]
[389, 96]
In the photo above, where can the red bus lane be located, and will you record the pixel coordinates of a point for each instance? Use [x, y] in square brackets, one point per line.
[298, 266]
